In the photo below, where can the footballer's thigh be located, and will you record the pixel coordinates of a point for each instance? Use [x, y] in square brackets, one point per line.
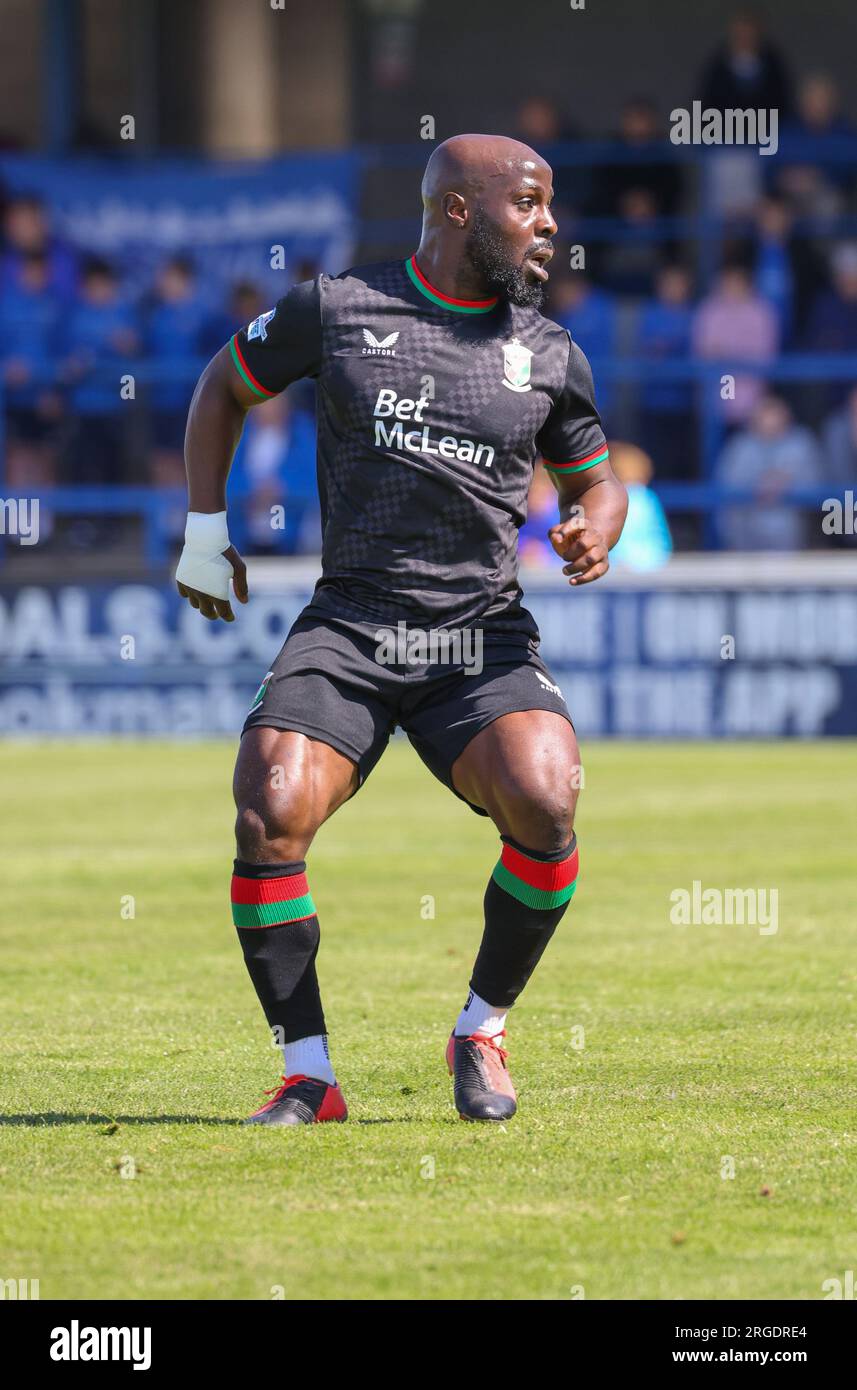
[523, 770]
[318, 725]
[286, 785]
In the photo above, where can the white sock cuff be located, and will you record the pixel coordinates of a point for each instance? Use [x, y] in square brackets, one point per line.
[309, 1057]
[478, 1016]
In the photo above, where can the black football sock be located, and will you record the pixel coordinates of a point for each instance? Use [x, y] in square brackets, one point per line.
[275, 917]
[526, 896]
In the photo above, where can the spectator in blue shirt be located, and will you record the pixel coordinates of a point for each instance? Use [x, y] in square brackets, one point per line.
[29, 315]
[244, 305]
[664, 336]
[592, 318]
[832, 324]
[768, 458]
[645, 542]
[27, 232]
[773, 275]
[817, 186]
[272, 486]
[839, 458]
[747, 69]
[637, 193]
[534, 548]
[101, 342]
[175, 325]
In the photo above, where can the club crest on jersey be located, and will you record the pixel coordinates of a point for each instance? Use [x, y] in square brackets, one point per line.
[516, 366]
[258, 328]
[379, 347]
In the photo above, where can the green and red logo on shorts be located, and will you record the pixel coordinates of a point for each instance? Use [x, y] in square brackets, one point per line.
[260, 693]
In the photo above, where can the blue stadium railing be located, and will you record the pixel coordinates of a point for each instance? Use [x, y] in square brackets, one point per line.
[154, 506]
[151, 505]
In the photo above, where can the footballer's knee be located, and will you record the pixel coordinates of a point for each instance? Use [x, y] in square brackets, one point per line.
[524, 771]
[538, 810]
[286, 785]
[273, 824]
[275, 796]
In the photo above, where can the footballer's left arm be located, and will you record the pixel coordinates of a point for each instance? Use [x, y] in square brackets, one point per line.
[592, 510]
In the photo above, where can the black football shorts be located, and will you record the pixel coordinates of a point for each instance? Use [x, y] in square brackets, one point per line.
[350, 685]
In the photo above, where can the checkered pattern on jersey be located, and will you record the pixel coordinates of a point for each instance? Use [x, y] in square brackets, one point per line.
[390, 498]
[483, 381]
[427, 333]
[371, 511]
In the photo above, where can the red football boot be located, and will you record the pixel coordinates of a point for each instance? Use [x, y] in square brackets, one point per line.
[300, 1100]
[483, 1086]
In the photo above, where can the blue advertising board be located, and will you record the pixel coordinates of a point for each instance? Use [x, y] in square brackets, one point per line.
[635, 662]
[228, 216]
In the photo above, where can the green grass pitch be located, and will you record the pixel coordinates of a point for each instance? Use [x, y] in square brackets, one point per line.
[132, 1047]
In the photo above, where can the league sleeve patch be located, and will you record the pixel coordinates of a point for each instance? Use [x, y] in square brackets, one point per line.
[259, 327]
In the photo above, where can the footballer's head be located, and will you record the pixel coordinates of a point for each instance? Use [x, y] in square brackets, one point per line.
[487, 198]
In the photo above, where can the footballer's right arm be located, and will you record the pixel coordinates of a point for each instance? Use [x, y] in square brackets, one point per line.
[257, 363]
[214, 424]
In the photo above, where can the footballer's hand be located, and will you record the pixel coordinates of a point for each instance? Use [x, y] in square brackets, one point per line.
[578, 542]
[211, 606]
[203, 574]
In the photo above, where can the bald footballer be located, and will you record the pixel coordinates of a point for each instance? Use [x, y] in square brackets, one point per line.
[439, 383]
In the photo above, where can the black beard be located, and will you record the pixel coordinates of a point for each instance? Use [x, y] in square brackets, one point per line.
[488, 253]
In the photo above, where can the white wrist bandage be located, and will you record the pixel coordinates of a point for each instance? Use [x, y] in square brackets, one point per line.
[202, 565]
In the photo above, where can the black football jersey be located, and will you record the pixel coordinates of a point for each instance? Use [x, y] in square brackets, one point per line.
[431, 413]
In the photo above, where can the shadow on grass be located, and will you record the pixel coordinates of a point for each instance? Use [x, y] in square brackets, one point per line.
[51, 1119]
[55, 1119]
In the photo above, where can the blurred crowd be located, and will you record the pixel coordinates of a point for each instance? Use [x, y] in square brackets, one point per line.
[652, 271]
[759, 263]
[97, 382]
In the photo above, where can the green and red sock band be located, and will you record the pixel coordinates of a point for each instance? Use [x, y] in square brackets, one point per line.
[579, 465]
[444, 301]
[243, 370]
[537, 882]
[270, 902]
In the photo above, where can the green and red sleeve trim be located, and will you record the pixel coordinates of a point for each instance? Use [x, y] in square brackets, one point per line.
[579, 465]
[240, 364]
[443, 301]
[270, 902]
[536, 882]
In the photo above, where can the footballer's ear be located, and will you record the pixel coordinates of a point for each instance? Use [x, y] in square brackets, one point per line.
[455, 208]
